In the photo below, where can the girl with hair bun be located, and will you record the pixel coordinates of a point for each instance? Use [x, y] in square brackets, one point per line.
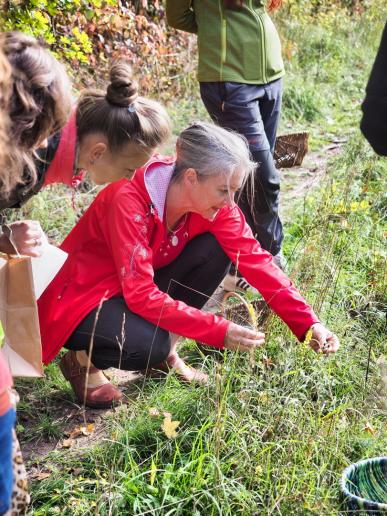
[109, 134]
[145, 257]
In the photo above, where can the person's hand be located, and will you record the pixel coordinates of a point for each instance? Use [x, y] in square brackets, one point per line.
[323, 340]
[26, 236]
[240, 338]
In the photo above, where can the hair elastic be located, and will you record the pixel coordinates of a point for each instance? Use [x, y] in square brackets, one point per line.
[132, 108]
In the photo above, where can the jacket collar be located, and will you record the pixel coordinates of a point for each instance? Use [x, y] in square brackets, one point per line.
[157, 176]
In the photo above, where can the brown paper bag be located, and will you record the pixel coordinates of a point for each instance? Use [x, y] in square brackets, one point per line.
[22, 347]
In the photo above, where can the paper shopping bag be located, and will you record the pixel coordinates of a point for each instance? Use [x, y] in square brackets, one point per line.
[22, 347]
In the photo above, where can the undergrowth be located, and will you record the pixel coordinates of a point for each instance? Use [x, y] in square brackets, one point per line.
[270, 436]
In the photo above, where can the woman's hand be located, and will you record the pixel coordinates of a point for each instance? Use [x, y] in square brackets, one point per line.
[323, 340]
[240, 338]
[26, 236]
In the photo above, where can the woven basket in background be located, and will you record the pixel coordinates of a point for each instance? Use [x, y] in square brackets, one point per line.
[290, 149]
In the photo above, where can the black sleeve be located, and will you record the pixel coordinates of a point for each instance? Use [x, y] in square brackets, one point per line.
[27, 189]
[374, 121]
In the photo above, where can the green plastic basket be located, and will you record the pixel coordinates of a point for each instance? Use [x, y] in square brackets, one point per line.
[364, 486]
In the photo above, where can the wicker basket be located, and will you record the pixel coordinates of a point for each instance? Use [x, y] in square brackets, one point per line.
[290, 149]
[364, 486]
[239, 314]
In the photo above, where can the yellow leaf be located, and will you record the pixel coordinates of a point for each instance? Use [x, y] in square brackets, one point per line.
[369, 429]
[81, 430]
[153, 472]
[308, 336]
[253, 315]
[169, 427]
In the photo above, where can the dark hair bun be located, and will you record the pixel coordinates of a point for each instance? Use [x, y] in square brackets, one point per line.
[123, 89]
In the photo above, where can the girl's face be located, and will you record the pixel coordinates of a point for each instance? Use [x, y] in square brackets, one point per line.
[108, 166]
[209, 195]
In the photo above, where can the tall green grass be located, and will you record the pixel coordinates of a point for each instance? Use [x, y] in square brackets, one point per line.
[270, 437]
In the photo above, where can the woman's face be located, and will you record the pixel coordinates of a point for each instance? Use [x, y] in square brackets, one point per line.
[209, 195]
[112, 166]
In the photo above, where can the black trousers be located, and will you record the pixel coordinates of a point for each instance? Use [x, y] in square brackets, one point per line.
[123, 339]
[253, 110]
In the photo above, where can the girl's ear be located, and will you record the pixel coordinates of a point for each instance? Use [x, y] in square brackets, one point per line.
[96, 151]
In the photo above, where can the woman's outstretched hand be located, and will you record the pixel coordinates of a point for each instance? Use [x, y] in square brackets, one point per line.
[26, 236]
[240, 338]
[323, 340]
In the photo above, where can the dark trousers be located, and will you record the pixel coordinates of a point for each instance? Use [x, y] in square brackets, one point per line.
[253, 111]
[123, 339]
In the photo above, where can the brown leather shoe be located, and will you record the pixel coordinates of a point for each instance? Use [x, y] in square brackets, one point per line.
[104, 396]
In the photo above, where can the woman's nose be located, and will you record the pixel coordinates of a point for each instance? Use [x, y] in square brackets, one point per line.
[230, 200]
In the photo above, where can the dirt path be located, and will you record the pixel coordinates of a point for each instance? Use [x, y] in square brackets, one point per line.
[297, 182]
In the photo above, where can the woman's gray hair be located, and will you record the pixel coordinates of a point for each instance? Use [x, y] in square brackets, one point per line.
[212, 150]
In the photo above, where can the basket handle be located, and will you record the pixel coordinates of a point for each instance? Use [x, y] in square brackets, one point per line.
[241, 299]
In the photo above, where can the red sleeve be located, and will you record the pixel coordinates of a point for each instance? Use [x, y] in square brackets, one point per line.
[257, 267]
[128, 232]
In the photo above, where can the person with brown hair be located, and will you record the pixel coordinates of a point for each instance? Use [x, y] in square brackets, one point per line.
[110, 133]
[13, 488]
[240, 72]
[39, 105]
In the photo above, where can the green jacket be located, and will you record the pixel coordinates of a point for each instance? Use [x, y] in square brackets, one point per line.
[239, 46]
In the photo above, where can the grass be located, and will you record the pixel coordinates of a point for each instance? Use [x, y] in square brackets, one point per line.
[273, 436]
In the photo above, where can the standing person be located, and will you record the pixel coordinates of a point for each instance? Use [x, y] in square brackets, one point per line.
[240, 73]
[374, 121]
[146, 255]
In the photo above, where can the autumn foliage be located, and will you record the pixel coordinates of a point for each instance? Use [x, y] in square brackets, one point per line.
[88, 34]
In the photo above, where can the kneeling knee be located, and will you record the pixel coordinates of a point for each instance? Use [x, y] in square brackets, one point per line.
[160, 347]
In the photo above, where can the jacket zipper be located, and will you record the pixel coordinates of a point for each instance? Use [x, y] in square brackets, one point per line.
[223, 40]
[263, 47]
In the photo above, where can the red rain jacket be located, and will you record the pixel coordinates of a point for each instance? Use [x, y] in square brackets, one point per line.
[120, 241]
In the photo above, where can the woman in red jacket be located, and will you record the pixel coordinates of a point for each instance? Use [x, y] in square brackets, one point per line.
[145, 257]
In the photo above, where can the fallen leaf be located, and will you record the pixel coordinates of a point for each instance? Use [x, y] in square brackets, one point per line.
[369, 429]
[67, 443]
[40, 475]
[167, 414]
[81, 430]
[169, 426]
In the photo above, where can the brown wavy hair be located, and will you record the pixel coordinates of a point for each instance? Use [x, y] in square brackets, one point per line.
[121, 114]
[5, 91]
[39, 105]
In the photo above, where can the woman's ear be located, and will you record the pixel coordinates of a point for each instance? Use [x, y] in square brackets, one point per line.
[191, 176]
